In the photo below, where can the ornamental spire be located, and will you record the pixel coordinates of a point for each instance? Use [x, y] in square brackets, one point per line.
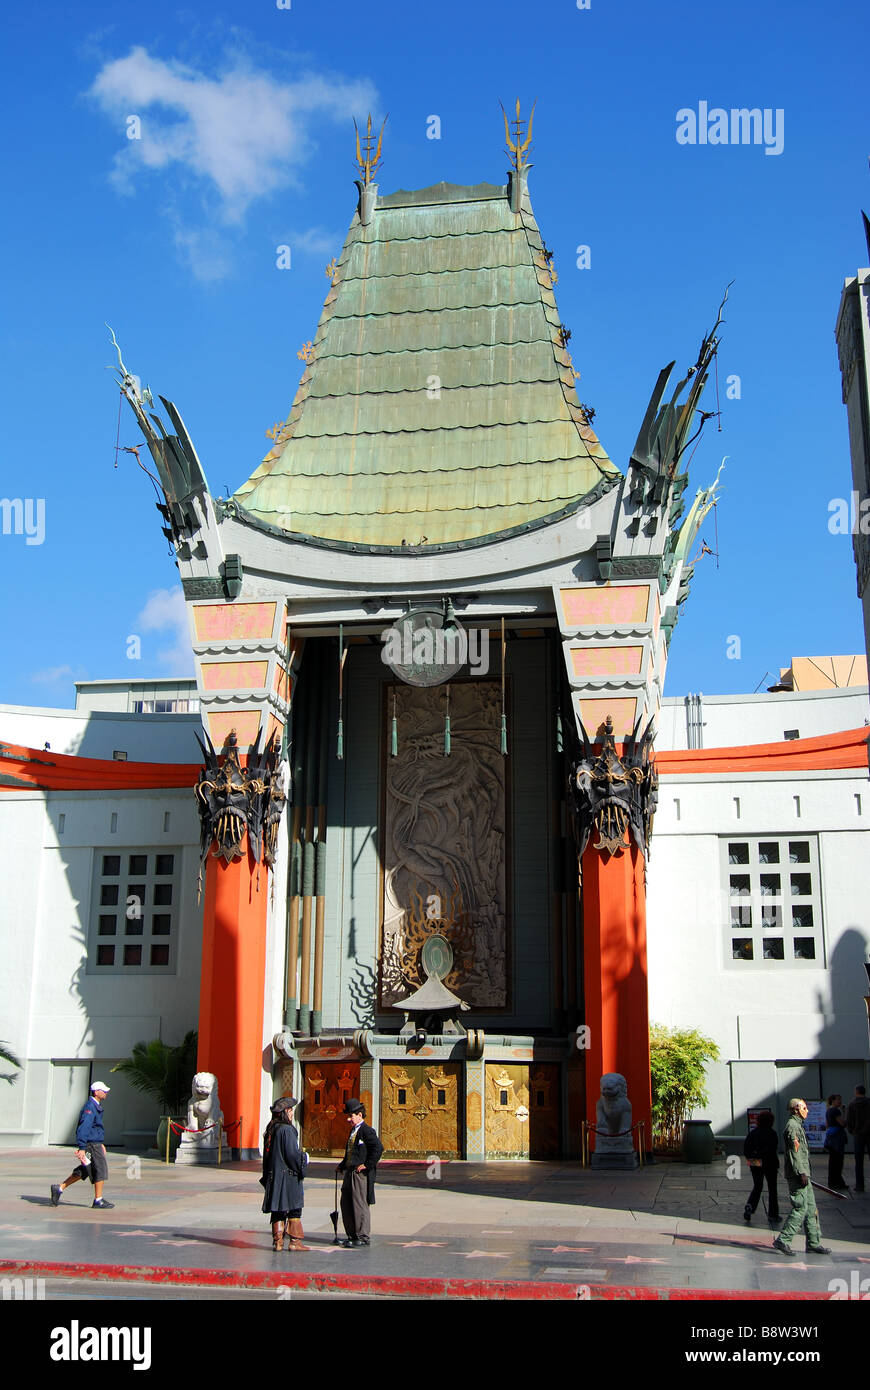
[365, 163]
[517, 151]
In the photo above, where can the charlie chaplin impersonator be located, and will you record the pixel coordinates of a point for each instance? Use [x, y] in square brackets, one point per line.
[359, 1171]
[283, 1171]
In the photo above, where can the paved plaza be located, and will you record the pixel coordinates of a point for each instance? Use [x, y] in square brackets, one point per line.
[463, 1229]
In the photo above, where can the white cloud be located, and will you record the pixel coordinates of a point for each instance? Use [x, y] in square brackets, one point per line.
[165, 611]
[54, 675]
[241, 134]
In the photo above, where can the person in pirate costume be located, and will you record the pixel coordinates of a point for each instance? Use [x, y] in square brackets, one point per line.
[358, 1169]
[283, 1172]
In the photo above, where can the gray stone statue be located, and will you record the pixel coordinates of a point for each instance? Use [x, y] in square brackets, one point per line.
[614, 1144]
[199, 1143]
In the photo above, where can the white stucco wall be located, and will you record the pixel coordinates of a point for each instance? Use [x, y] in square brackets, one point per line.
[732, 720]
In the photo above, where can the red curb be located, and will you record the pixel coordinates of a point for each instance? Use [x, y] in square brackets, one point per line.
[397, 1285]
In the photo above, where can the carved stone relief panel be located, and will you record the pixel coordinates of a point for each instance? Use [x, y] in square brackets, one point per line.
[445, 848]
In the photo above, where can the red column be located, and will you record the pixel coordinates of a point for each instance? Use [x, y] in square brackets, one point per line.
[231, 991]
[615, 976]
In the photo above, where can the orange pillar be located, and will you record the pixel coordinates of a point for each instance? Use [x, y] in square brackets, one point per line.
[231, 992]
[615, 976]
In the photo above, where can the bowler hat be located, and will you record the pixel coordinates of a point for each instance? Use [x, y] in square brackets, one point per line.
[354, 1107]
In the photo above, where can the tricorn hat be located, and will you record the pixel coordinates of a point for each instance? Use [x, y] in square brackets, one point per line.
[284, 1103]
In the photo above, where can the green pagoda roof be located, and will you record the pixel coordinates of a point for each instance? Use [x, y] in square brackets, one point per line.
[437, 406]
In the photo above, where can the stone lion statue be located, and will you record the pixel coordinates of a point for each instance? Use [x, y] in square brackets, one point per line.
[203, 1109]
[613, 1114]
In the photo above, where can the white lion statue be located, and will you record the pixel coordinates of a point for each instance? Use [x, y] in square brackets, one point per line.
[204, 1115]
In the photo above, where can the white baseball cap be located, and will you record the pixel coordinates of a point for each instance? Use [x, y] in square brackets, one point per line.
[99, 1086]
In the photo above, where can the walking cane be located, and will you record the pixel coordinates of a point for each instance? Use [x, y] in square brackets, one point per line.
[844, 1196]
[333, 1215]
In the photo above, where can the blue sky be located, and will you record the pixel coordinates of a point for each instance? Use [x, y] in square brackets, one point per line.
[247, 144]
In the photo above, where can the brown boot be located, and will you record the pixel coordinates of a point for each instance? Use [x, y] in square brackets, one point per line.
[278, 1235]
[297, 1234]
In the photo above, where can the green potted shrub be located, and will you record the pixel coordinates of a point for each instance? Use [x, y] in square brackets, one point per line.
[165, 1073]
[678, 1061]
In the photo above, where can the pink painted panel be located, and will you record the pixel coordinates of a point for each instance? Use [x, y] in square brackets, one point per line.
[234, 675]
[609, 604]
[222, 722]
[606, 661]
[622, 711]
[233, 621]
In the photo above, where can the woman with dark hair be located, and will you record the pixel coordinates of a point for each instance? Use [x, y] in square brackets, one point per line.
[283, 1172]
[835, 1142]
[760, 1148]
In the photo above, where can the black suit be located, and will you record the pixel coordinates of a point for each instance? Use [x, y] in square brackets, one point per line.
[358, 1189]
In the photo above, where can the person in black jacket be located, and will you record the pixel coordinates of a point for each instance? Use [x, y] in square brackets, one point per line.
[283, 1172]
[760, 1148]
[359, 1170]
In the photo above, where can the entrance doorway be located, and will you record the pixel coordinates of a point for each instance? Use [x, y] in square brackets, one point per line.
[522, 1110]
[326, 1087]
[420, 1109]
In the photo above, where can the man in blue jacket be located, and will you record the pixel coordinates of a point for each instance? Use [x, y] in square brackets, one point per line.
[91, 1151]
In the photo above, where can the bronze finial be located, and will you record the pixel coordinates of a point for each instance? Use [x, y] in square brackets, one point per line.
[365, 163]
[517, 147]
[306, 352]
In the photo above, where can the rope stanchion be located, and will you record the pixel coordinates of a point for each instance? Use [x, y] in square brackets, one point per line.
[587, 1128]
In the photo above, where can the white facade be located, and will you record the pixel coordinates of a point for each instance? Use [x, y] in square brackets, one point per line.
[67, 1021]
[784, 1026]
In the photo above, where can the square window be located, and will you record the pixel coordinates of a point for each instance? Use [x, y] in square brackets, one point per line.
[133, 926]
[107, 926]
[738, 854]
[138, 864]
[111, 865]
[739, 884]
[771, 885]
[802, 917]
[768, 852]
[132, 955]
[801, 885]
[799, 851]
[162, 894]
[165, 864]
[741, 916]
[109, 895]
[773, 948]
[804, 948]
[137, 891]
[161, 923]
[741, 948]
[772, 917]
[105, 955]
[160, 955]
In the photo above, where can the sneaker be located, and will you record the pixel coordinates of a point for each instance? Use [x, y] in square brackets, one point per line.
[365, 1240]
[818, 1250]
[55, 1193]
[783, 1249]
[352, 1243]
[747, 1213]
[103, 1205]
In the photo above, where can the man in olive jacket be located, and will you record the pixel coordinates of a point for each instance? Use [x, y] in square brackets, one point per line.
[359, 1170]
[800, 1189]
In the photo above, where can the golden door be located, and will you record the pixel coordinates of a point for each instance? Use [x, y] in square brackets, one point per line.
[326, 1086]
[420, 1109]
[522, 1110]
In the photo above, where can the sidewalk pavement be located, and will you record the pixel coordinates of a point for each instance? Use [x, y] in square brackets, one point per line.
[494, 1230]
